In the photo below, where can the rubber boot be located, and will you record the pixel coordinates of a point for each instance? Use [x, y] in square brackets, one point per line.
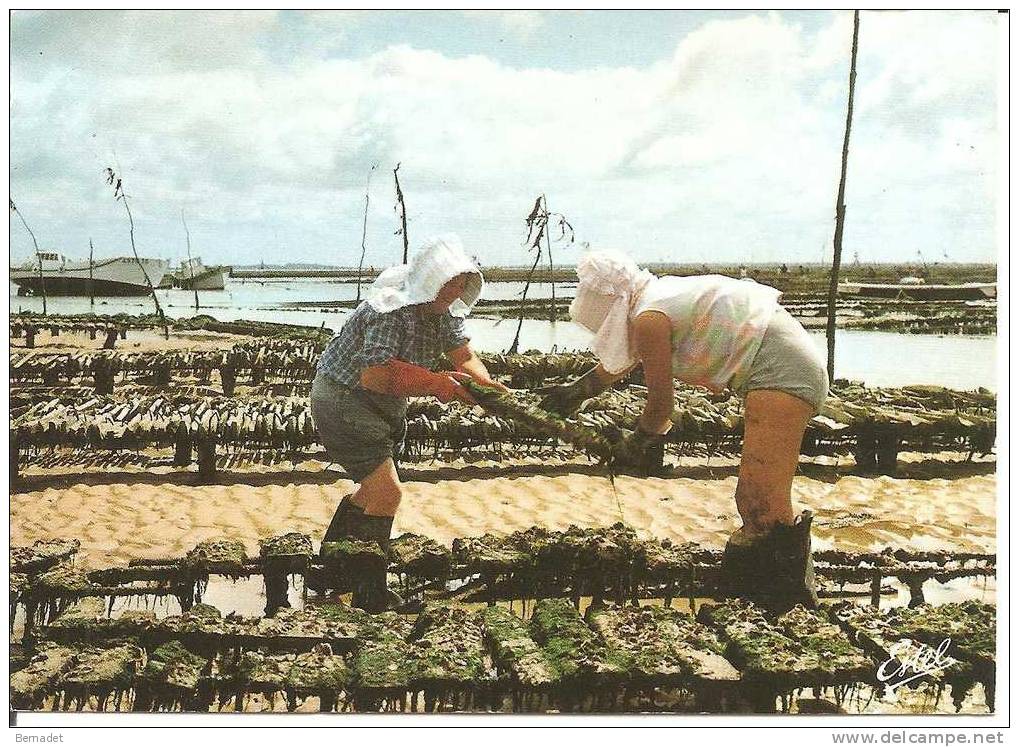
[371, 592]
[775, 571]
[374, 594]
[343, 520]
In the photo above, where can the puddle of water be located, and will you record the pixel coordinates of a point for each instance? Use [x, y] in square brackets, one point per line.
[246, 596]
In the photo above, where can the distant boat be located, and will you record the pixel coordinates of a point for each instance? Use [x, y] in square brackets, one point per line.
[120, 276]
[917, 289]
[193, 275]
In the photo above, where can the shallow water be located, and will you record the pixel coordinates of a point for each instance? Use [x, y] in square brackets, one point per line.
[876, 358]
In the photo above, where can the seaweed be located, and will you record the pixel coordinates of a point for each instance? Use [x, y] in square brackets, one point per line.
[319, 670]
[448, 648]
[838, 659]
[970, 626]
[490, 554]
[799, 649]
[202, 622]
[290, 544]
[42, 555]
[515, 651]
[100, 672]
[572, 648]
[31, 685]
[870, 628]
[523, 409]
[225, 556]
[353, 554]
[385, 664]
[663, 646]
[86, 621]
[256, 670]
[665, 561]
[174, 666]
[420, 556]
[305, 628]
[383, 661]
[64, 580]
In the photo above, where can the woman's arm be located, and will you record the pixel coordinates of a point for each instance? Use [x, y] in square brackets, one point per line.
[402, 379]
[653, 336]
[465, 361]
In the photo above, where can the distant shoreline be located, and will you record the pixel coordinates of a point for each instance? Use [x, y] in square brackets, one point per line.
[802, 277]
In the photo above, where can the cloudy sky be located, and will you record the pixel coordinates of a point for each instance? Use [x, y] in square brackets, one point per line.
[677, 136]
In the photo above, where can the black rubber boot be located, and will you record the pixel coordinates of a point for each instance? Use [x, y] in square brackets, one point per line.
[775, 571]
[370, 590]
[373, 594]
[343, 520]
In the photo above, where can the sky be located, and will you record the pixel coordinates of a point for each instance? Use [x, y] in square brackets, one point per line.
[676, 136]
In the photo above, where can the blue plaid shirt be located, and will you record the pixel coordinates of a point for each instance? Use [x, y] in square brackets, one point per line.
[369, 338]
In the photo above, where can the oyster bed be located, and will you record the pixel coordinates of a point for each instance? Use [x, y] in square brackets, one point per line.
[733, 657]
[100, 408]
[463, 651]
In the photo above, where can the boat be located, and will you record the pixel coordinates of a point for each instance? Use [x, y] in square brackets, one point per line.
[60, 276]
[917, 289]
[193, 275]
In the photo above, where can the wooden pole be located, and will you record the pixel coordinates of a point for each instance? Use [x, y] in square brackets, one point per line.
[551, 266]
[91, 277]
[403, 211]
[191, 267]
[38, 259]
[119, 194]
[840, 207]
[514, 346]
[364, 230]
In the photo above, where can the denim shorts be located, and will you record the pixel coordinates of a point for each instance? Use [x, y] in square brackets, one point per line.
[789, 361]
[360, 429]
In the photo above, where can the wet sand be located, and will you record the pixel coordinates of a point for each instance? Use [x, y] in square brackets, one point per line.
[143, 515]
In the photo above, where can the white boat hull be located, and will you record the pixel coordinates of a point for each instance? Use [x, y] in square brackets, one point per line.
[122, 276]
[921, 291]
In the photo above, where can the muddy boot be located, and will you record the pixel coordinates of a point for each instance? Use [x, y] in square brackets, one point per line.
[343, 520]
[370, 591]
[374, 594]
[775, 571]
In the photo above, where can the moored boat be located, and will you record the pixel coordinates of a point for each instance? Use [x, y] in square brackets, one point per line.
[60, 276]
[193, 275]
[911, 289]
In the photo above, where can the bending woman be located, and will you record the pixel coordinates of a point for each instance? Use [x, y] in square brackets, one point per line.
[412, 315]
[719, 333]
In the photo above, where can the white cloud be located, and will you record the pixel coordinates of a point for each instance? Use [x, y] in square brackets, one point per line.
[727, 150]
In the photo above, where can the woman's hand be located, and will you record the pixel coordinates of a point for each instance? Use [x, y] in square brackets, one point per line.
[467, 362]
[483, 381]
[458, 391]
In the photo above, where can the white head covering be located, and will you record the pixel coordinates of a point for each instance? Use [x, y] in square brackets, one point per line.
[434, 264]
[610, 286]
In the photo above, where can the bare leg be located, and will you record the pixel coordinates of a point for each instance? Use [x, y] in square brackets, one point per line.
[774, 427]
[379, 493]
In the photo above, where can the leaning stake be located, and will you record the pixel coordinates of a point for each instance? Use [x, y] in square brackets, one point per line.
[840, 208]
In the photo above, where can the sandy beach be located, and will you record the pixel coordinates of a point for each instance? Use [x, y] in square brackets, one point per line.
[936, 505]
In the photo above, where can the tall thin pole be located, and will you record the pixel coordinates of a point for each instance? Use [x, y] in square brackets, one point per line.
[119, 194]
[403, 211]
[364, 230]
[191, 267]
[91, 276]
[840, 207]
[38, 259]
[551, 266]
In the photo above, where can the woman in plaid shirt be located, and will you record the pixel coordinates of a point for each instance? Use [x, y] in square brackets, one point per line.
[412, 315]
